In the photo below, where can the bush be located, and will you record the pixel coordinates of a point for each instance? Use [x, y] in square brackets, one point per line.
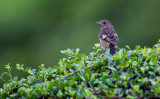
[127, 74]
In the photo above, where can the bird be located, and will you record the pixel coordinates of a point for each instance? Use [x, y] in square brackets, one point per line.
[108, 36]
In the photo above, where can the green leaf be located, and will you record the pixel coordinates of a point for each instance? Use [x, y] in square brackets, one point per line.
[77, 50]
[105, 77]
[124, 76]
[111, 68]
[8, 67]
[128, 47]
[144, 52]
[142, 69]
[93, 77]
[153, 82]
[15, 78]
[134, 63]
[157, 90]
[114, 75]
[124, 83]
[88, 93]
[4, 74]
[97, 45]
[109, 82]
[137, 47]
[136, 88]
[59, 94]
[71, 91]
[82, 78]
[154, 61]
[151, 73]
[120, 53]
[30, 72]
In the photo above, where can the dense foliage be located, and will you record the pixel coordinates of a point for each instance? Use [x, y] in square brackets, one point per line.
[128, 74]
[34, 32]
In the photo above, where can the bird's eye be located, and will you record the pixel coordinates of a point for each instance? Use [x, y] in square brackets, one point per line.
[104, 22]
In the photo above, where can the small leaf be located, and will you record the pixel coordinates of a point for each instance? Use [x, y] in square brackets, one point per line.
[124, 83]
[134, 63]
[59, 94]
[151, 73]
[82, 78]
[111, 68]
[120, 53]
[93, 77]
[128, 47]
[97, 45]
[114, 75]
[105, 77]
[87, 93]
[136, 88]
[137, 47]
[77, 50]
[154, 61]
[144, 52]
[157, 89]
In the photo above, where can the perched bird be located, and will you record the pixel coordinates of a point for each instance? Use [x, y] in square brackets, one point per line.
[108, 36]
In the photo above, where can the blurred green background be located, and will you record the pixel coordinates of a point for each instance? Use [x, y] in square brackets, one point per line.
[32, 32]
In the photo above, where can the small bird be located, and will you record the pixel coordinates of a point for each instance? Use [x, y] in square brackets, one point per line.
[108, 36]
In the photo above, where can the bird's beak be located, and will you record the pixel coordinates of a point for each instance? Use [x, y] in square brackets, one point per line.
[98, 22]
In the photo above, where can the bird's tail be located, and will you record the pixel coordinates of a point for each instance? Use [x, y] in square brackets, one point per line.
[112, 49]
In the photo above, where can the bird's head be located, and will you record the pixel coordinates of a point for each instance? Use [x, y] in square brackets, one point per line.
[104, 23]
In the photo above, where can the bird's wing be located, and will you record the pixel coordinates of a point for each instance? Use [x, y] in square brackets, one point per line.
[110, 37]
[113, 38]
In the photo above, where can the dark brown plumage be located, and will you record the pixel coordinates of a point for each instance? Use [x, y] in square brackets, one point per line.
[108, 36]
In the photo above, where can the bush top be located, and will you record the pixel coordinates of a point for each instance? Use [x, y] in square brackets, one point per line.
[128, 74]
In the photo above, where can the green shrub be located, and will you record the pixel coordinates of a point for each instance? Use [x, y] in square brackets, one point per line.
[127, 74]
